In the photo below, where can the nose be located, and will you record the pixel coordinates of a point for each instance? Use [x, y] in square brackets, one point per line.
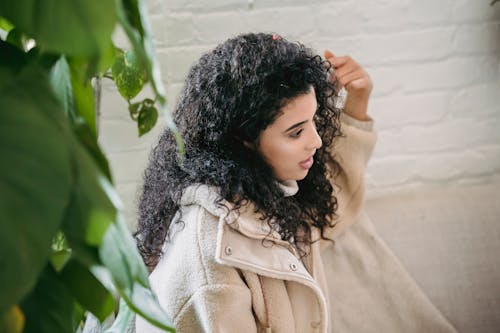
[315, 141]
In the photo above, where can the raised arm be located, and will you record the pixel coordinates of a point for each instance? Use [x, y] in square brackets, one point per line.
[350, 75]
[352, 150]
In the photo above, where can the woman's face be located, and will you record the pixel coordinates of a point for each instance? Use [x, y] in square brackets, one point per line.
[289, 143]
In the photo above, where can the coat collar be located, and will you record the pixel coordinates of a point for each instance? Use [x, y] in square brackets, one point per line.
[246, 220]
[289, 187]
[239, 239]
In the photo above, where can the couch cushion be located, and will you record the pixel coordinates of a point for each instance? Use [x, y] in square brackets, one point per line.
[449, 241]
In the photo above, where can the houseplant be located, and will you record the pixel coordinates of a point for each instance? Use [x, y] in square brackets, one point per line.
[64, 248]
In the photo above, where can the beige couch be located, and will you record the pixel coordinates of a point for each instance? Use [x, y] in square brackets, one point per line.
[449, 241]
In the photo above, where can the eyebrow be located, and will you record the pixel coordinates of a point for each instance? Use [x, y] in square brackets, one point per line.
[295, 126]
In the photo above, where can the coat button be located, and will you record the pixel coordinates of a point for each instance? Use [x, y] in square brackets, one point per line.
[315, 324]
[228, 250]
[293, 267]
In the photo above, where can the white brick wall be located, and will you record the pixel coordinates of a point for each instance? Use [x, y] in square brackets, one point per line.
[435, 67]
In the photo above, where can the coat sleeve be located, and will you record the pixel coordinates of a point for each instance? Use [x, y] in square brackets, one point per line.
[198, 293]
[217, 309]
[351, 151]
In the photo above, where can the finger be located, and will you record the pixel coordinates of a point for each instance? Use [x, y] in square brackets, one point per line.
[328, 54]
[346, 69]
[346, 80]
[340, 61]
[358, 85]
[341, 72]
[337, 61]
[334, 60]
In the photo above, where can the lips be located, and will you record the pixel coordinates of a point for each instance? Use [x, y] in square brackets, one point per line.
[307, 164]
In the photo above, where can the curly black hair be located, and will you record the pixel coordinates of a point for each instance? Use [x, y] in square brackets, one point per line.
[230, 96]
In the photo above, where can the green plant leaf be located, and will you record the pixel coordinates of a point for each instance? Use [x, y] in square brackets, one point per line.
[145, 303]
[78, 318]
[35, 178]
[128, 74]
[71, 79]
[119, 254]
[5, 25]
[12, 61]
[145, 113]
[103, 274]
[103, 63]
[49, 307]
[125, 315]
[16, 38]
[83, 93]
[132, 17]
[87, 290]
[86, 138]
[134, 109]
[77, 27]
[59, 258]
[147, 118]
[60, 79]
[60, 252]
[94, 202]
[75, 228]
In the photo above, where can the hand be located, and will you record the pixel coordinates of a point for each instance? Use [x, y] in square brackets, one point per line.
[349, 74]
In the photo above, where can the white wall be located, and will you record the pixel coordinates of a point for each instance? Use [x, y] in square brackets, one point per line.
[435, 67]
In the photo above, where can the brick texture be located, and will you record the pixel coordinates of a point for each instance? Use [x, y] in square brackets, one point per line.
[435, 67]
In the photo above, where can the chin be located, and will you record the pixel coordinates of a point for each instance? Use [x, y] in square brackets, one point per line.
[300, 177]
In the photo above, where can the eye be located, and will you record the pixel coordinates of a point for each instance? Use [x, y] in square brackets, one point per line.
[296, 134]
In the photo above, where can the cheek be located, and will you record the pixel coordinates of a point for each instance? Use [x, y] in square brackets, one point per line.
[287, 151]
[280, 153]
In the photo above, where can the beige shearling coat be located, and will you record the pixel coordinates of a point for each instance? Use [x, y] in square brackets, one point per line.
[217, 274]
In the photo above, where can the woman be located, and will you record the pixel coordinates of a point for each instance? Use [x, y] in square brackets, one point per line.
[254, 229]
